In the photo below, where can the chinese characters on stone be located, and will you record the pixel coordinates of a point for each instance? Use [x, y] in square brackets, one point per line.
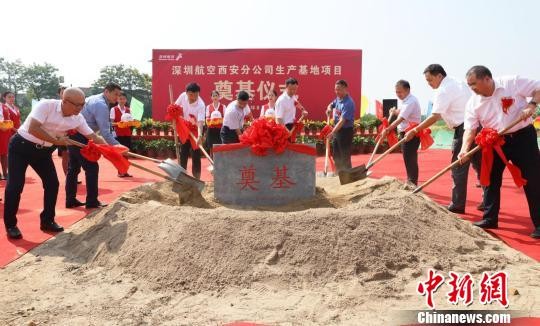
[492, 288]
[280, 179]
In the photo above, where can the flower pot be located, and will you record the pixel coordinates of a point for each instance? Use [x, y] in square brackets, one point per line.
[151, 153]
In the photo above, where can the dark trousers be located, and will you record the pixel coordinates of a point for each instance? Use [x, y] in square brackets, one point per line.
[91, 170]
[213, 137]
[185, 151]
[228, 136]
[410, 157]
[21, 154]
[341, 145]
[521, 148]
[460, 174]
[124, 140]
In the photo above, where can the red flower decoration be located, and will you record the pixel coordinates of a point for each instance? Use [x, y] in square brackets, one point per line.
[174, 111]
[506, 103]
[91, 152]
[264, 135]
[490, 141]
[325, 131]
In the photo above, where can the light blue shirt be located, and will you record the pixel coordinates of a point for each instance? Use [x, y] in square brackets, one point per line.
[96, 113]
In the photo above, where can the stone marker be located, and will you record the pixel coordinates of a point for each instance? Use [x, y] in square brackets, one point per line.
[242, 178]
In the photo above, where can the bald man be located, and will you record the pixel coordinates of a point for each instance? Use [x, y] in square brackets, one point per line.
[32, 145]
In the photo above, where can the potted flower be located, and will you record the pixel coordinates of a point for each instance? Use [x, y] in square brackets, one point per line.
[370, 145]
[167, 127]
[151, 148]
[147, 125]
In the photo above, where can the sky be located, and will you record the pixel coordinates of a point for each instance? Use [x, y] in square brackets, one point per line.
[398, 38]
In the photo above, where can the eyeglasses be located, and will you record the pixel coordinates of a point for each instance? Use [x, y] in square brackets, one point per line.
[78, 106]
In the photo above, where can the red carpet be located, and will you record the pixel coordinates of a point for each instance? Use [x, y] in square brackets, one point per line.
[515, 224]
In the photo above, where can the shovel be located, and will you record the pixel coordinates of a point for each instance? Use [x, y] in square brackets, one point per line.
[175, 134]
[205, 153]
[458, 162]
[361, 172]
[325, 173]
[175, 172]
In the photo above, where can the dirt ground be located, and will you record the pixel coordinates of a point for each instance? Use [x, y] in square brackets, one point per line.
[352, 255]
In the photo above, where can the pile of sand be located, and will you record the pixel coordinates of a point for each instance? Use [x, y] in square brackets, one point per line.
[155, 256]
[379, 231]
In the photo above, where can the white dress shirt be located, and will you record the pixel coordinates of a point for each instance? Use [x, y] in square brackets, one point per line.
[488, 111]
[49, 114]
[450, 99]
[285, 108]
[197, 108]
[410, 111]
[234, 116]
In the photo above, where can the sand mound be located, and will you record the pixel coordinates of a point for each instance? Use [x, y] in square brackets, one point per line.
[380, 232]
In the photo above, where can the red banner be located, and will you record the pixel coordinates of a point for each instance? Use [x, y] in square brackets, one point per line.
[256, 71]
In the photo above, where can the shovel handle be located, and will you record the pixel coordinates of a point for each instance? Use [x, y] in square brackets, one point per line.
[327, 150]
[144, 157]
[76, 143]
[205, 153]
[458, 162]
[388, 151]
[374, 151]
[175, 134]
[153, 172]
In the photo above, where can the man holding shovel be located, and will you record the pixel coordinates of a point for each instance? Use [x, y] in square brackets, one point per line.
[497, 103]
[342, 134]
[97, 115]
[195, 113]
[409, 112]
[32, 145]
[450, 98]
[287, 103]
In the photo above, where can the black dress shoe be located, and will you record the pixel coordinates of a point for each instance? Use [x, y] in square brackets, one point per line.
[98, 205]
[74, 203]
[536, 234]
[485, 224]
[453, 209]
[52, 227]
[14, 233]
[480, 207]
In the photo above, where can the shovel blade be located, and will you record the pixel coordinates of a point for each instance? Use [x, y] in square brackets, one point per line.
[172, 168]
[178, 174]
[353, 174]
[188, 180]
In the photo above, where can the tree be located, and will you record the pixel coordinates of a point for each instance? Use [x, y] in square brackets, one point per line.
[132, 81]
[12, 76]
[42, 81]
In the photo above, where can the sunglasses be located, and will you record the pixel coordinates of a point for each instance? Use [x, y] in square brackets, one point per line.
[78, 106]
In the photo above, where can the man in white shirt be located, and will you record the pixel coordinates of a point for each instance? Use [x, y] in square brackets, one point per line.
[44, 128]
[194, 112]
[520, 144]
[450, 98]
[409, 112]
[287, 103]
[234, 119]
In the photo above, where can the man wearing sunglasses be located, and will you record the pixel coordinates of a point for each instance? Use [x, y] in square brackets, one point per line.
[33, 145]
[96, 113]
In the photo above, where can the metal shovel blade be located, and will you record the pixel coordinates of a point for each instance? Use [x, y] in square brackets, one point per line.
[178, 174]
[353, 174]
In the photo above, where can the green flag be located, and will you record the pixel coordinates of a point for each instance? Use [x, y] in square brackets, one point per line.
[137, 109]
